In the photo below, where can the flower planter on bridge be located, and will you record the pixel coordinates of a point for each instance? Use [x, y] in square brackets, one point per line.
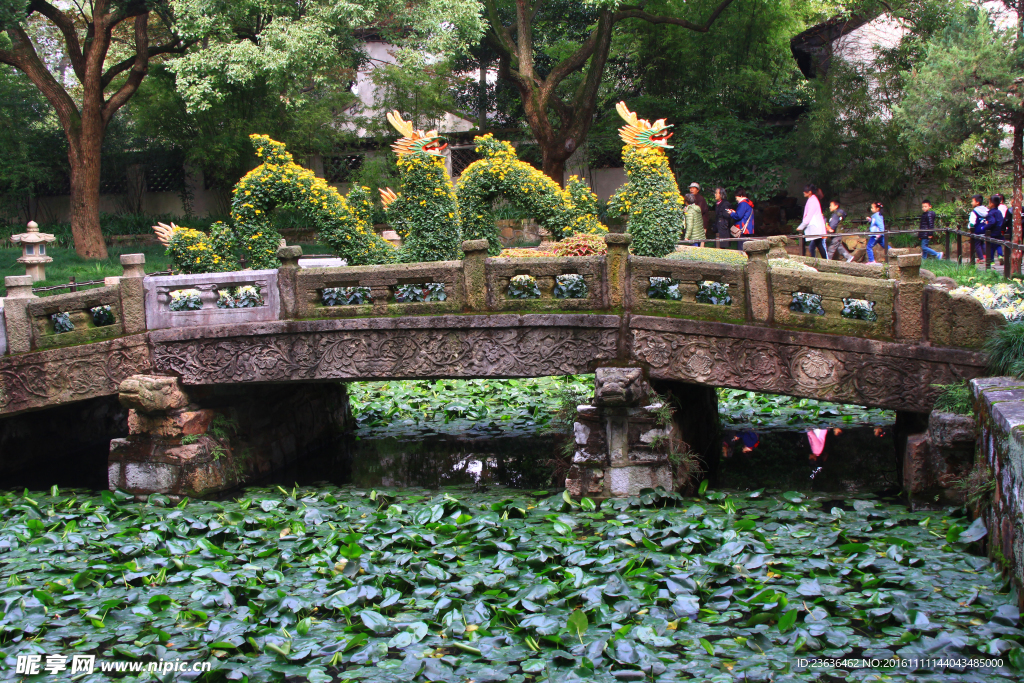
[159, 290]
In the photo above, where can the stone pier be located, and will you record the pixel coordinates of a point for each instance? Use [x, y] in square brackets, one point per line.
[207, 440]
[632, 438]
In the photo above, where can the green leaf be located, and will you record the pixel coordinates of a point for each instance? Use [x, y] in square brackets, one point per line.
[708, 647]
[787, 620]
[374, 621]
[578, 624]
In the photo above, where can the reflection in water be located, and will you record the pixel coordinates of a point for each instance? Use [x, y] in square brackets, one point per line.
[848, 460]
[430, 460]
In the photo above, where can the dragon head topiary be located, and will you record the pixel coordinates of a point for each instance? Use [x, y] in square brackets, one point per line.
[413, 141]
[642, 133]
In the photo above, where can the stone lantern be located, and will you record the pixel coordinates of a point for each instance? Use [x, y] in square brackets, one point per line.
[33, 251]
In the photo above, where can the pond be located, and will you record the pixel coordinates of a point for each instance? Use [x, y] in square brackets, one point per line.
[345, 584]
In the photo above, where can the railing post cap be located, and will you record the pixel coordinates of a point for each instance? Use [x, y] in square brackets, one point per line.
[618, 238]
[475, 245]
[908, 260]
[19, 286]
[757, 246]
[289, 252]
[133, 259]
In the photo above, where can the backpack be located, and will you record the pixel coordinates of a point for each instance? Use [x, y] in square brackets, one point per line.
[982, 221]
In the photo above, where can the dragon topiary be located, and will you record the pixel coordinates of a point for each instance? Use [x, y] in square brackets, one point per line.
[651, 196]
[425, 211]
[343, 223]
[501, 175]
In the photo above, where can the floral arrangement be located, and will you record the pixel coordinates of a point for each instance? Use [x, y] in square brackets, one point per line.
[570, 286]
[1004, 297]
[709, 292]
[581, 245]
[805, 302]
[244, 296]
[343, 223]
[345, 296]
[707, 255]
[102, 316]
[650, 198]
[425, 211]
[62, 323]
[859, 309]
[499, 174]
[523, 287]
[790, 263]
[664, 288]
[429, 291]
[525, 253]
[185, 300]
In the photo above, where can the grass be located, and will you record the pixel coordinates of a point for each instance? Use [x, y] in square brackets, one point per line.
[955, 398]
[964, 274]
[1005, 350]
[66, 263]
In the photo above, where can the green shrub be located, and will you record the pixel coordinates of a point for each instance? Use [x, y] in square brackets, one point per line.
[717, 293]
[954, 398]
[102, 316]
[429, 291]
[62, 323]
[345, 296]
[651, 200]
[501, 176]
[523, 287]
[185, 300]
[1005, 349]
[244, 296]
[804, 302]
[570, 286]
[664, 288]
[425, 212]
[192, 251]
[859, 309]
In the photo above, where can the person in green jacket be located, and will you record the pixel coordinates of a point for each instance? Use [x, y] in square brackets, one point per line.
[693, 220]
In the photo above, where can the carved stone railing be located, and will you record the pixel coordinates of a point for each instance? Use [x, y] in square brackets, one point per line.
[689, 276]
[546, 272]
[906, 309]
[210, 286]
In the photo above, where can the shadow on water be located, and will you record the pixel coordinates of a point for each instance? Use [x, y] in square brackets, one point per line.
[429, 460]
[840, 460]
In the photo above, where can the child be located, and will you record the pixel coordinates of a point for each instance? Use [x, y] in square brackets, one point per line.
[977, 223]
[994, 228]
[693, 220]
[835, 244]
[926, 231]
[877, 230]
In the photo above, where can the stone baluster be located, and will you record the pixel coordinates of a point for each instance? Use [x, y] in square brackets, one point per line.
[287, 279]
[617, 262]
[133, 293]
[474, 272]
[909, 307]
[19, 327]
[759, 291]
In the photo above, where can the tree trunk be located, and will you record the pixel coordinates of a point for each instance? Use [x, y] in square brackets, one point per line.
[482, 97]
[1018, 176]
[554, 168]
[84, 155]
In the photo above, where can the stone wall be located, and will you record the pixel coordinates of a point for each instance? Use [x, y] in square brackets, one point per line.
[999, 407]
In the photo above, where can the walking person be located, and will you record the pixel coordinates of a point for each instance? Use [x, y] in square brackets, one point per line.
[877, 230]
[692, 221]
[743, 217]
[722, 219]
[977, 223]
[835, 244]
[994, 229]
[813, 224]
[926, 230]
[705, 210]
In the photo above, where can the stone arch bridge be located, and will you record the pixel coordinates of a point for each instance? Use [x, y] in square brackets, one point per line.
[922, 335]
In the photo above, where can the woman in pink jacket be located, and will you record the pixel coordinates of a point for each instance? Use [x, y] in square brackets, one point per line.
[813, 224]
